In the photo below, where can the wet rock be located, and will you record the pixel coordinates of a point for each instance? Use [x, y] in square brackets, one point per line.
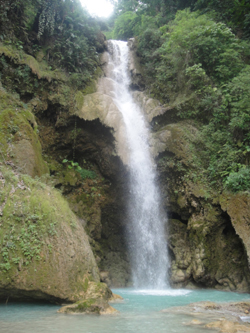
[116, 298]
[104, 276]
[228, 326]
[151, 107]
[224, 317]
[101, 106]
[194, 322]
[203, 239]
[95, 301]
[91, 306]
[237, 207]
[135, 68]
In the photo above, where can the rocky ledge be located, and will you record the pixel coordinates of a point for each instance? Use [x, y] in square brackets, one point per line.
[95, 301]
[225, 317]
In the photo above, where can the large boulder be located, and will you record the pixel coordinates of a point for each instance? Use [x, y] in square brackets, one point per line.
[45, 252]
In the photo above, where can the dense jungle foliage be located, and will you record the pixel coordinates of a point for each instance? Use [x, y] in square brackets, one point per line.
[196, 60]
[67, 36]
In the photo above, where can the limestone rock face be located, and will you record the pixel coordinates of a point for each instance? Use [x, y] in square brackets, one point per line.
[19, 137]
[151, 107]
[27, 158]
[101, 106]
[209, 233]
[135, 68]
[175, 138]
[178, 242]
[237, 207]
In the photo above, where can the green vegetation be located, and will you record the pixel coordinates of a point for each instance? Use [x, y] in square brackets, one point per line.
[61, 32]
[196, 61]
[239, 181]
[83, 172]
[195, 56]
[236, 14]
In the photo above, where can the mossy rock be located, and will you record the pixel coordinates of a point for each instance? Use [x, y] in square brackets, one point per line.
[95, 301]
[45, 253]
[19, 140]
[41, 69]
[92, 306]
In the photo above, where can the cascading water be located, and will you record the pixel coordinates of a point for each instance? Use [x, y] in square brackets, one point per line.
[147, 243]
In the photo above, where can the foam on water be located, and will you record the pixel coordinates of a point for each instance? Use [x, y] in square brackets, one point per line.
[163, 292]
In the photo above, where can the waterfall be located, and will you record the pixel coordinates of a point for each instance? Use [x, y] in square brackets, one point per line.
[146, 234]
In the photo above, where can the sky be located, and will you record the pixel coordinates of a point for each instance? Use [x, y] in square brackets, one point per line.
[101, 8]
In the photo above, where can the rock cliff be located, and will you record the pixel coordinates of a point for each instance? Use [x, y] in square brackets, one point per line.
[207, 231]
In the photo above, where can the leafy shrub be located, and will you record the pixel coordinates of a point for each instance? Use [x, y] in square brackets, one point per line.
[150, 39]
[239, 89]
[87, 174]
[239, 181]
[234, 13]
[83, 172]
[124, 25]
[196, 39]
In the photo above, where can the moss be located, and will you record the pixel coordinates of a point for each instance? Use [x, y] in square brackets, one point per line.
[53, 165]
[86, 284]
[18, 136]
[70, 177]
[41, 69]
[34, 220]
[82, 306]
[28, 216]
[90, 89]
[79, 99]
[92, 306]
[63, 95]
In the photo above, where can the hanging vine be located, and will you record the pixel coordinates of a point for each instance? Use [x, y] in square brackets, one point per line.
[47, 17]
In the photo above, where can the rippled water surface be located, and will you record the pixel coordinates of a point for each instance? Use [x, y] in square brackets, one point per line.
[140, 312]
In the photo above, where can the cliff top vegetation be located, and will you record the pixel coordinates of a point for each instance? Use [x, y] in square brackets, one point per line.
[196, 60]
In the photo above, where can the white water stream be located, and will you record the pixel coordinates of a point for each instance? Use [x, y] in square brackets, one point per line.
[147, 241]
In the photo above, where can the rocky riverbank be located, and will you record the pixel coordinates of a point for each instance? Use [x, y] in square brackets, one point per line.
[225, 317]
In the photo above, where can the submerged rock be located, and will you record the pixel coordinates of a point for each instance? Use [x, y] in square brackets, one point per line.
[228, 326]
[91, 306]
[225, 317]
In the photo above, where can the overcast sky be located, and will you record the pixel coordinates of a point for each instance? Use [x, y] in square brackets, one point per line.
[100, 8]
